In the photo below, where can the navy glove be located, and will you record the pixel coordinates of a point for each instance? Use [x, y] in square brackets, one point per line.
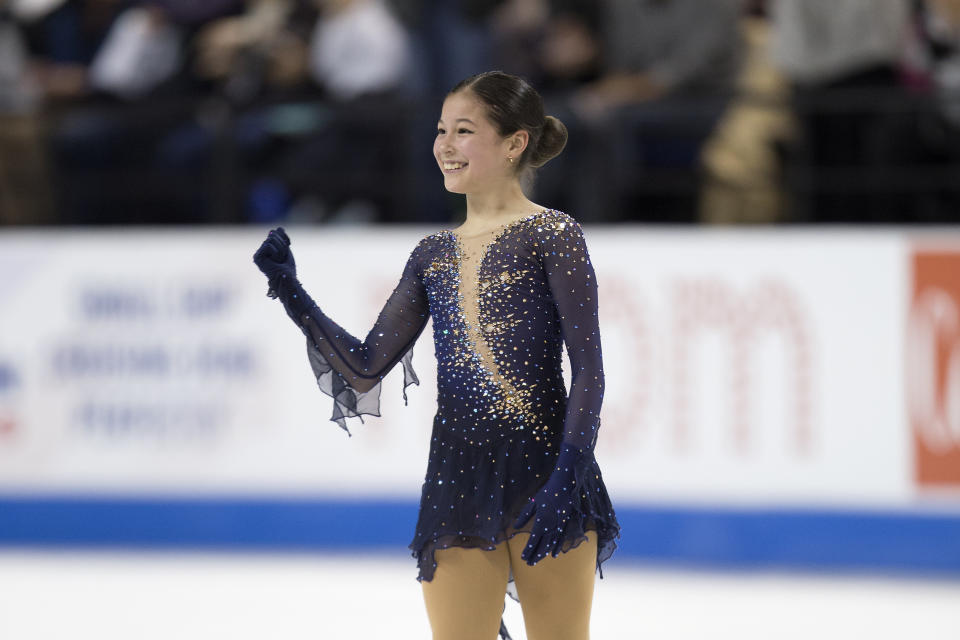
[275, 260]
[552, 508]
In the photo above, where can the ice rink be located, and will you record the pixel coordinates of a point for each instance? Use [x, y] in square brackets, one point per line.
[113, 596]
[167, 470]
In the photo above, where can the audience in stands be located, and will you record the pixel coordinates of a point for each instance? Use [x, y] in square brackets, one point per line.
[843, 59]
[177, 111]
[636, 130]
[742, 180]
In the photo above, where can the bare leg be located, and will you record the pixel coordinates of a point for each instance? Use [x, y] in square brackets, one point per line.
[465, 598]
[556, 594]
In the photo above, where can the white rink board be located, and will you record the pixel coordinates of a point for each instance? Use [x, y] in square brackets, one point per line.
[759, 368]
[762, 367]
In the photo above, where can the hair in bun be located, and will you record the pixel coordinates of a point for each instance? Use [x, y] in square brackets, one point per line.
[513, 105]
[553, 138]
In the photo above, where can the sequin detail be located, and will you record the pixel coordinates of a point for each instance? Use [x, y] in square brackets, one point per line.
[503, 306]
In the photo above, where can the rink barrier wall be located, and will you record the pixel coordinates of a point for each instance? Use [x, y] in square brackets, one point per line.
[812, 374]
[899, 542]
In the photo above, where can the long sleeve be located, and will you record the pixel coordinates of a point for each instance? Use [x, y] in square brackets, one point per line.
[574, 286]
[572, 494]
[351, 370]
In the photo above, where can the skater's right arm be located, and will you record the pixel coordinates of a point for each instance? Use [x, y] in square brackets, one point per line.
[360, 365]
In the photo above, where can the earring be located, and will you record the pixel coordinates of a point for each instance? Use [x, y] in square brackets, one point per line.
[510, 158]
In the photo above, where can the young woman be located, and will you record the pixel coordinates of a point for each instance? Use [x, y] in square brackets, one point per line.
[512, 489]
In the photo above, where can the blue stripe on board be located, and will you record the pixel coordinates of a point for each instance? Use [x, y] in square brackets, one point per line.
[201, 522]
[794, 539]
[722, 538]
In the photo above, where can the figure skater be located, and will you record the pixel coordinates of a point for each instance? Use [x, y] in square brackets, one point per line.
[512, 489]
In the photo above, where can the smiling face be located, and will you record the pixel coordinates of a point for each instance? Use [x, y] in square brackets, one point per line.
[470, 152]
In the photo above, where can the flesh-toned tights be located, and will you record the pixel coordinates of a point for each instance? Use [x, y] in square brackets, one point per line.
[465, 598]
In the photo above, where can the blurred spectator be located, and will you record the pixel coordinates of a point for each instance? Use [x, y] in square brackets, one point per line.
[940, 30]
[570, 52]
[842, 57]
[23, 171]
[359, 47]
[336, 150]
[456, 41]
[555, 44]
[830, 41]
[108, 147]
[261, 48]
[668, 70]
[18, 91]
[63, 36]
[349, 165]
[664, 48]
[935, 69]
[742, 158]
[142, 50]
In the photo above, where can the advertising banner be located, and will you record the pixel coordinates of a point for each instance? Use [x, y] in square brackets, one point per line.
[748, 371]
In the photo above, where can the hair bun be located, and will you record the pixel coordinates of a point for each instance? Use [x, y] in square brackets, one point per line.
[552, 140]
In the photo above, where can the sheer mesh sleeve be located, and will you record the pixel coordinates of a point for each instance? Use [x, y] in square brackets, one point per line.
[574, 286]
[350, 370]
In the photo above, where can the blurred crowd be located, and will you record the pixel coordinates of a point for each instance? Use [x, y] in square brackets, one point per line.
[679, 111]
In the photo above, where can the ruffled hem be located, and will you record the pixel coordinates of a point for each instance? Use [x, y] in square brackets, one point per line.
[347, 401]
[480, 514]
[607, 534]
[594, 513]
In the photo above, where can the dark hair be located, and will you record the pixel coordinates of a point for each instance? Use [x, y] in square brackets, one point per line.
[513, 105]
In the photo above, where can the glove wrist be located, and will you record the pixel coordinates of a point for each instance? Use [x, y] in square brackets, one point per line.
[570, 457]
[293, 296]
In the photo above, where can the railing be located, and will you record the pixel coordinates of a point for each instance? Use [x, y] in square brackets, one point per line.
[192, 160]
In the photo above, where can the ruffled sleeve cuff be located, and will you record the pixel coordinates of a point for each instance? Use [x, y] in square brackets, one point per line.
[348, 402]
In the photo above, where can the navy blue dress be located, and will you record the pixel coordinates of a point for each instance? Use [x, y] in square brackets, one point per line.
[503, 305]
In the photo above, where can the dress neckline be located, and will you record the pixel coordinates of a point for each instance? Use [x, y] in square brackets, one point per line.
[498, 231]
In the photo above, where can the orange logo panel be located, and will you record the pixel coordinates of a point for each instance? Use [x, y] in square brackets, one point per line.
[933, 368]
